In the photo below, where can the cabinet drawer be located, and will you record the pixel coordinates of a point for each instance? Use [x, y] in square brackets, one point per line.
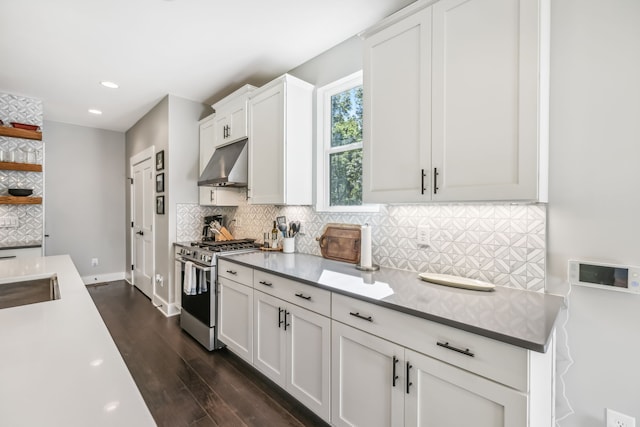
[303, 295]
[501, 362]
[235, 272]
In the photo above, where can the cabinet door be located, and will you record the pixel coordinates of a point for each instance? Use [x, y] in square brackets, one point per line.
[486, 121]
[238, 122]
[207, 145]
[235, 317]
[441, 395]
[309, 364]
[222, 128]
[266, 153]
[269, 343]
[363, 393]
[397, 116]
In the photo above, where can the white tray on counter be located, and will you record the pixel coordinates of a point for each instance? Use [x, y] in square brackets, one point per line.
[456, 281]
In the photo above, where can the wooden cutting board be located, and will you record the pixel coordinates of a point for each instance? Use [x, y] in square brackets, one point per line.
[341, 242]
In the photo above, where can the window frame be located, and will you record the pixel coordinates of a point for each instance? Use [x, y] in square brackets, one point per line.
[323, 144]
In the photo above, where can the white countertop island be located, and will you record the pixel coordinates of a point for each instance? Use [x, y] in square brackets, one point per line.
[59, 365]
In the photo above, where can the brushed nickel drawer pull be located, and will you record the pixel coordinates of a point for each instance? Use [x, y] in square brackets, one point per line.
[360, 316]
[301, 295]
[446, 345]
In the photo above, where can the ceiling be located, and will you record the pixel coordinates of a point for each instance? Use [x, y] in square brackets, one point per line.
[60, 51]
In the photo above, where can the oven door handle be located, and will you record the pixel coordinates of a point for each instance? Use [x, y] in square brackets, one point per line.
[196, 265]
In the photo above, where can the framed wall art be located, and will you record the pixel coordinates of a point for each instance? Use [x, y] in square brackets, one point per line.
[160, 205]
[160, 183]
[160, 160]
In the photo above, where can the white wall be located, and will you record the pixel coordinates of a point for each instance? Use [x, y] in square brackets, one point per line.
[84, 198]
[172, 126]
[595, 196]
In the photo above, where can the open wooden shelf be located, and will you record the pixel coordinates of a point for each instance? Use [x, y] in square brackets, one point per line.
[25, 167]
[20, 133]
[12, 200]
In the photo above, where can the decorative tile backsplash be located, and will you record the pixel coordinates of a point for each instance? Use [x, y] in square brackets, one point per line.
[30, 217]
[499, 243]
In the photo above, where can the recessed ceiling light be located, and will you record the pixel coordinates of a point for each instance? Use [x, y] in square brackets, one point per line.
[110, 85]
[94, 111]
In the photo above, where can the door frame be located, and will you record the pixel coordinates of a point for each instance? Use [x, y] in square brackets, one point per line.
[147, 153]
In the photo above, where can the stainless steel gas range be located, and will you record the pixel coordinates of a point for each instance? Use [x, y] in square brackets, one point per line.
[196, 272]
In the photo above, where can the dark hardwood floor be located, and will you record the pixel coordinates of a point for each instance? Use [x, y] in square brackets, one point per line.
[182, 383]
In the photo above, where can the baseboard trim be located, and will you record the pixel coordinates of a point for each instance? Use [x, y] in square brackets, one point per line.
[165, 308]
[99, 278]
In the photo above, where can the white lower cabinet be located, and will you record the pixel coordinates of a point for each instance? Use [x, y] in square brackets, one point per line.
[235, 317]
[360, 364]
[440, 395]
[292, 348]
[379, 383]
[364, 389]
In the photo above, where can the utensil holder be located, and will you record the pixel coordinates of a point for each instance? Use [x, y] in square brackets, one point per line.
[289, 245]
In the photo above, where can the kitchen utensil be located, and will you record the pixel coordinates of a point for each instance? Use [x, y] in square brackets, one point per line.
[227, 235]
[294, 228]
[341, 242]
[20, 192]
[283, 229]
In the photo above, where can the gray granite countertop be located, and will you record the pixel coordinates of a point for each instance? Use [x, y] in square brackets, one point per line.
[20, 245]
[518, 317]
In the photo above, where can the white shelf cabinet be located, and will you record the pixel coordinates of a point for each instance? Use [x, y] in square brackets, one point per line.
[280, 143]
[472, 79]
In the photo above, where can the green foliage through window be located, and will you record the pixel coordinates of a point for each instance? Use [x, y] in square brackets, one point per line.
[345, 177]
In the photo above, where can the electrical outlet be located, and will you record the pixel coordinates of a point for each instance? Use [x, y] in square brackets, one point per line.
[617, 419]
[94, 262]
[236, 221]
[423, 236]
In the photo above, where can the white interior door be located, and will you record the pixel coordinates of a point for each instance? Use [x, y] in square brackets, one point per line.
[142, 219]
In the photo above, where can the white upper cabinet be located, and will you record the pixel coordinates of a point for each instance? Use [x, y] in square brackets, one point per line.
[231, 116]
[280, 143]
[228, 124]
[481, 131]
[397, 111]
[214, 196]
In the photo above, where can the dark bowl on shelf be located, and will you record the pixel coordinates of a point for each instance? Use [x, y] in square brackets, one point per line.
[20, 192]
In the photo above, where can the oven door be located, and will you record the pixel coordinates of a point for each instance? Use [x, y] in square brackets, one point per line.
[202, 305]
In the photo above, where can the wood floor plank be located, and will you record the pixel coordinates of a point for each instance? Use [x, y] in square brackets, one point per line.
[182, 383]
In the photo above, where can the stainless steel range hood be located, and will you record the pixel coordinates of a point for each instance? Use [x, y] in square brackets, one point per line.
[227, 167]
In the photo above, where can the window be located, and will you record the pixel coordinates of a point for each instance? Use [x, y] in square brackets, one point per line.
[340, 146]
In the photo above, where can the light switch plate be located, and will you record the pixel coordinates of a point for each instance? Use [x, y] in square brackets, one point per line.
[9, 222]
